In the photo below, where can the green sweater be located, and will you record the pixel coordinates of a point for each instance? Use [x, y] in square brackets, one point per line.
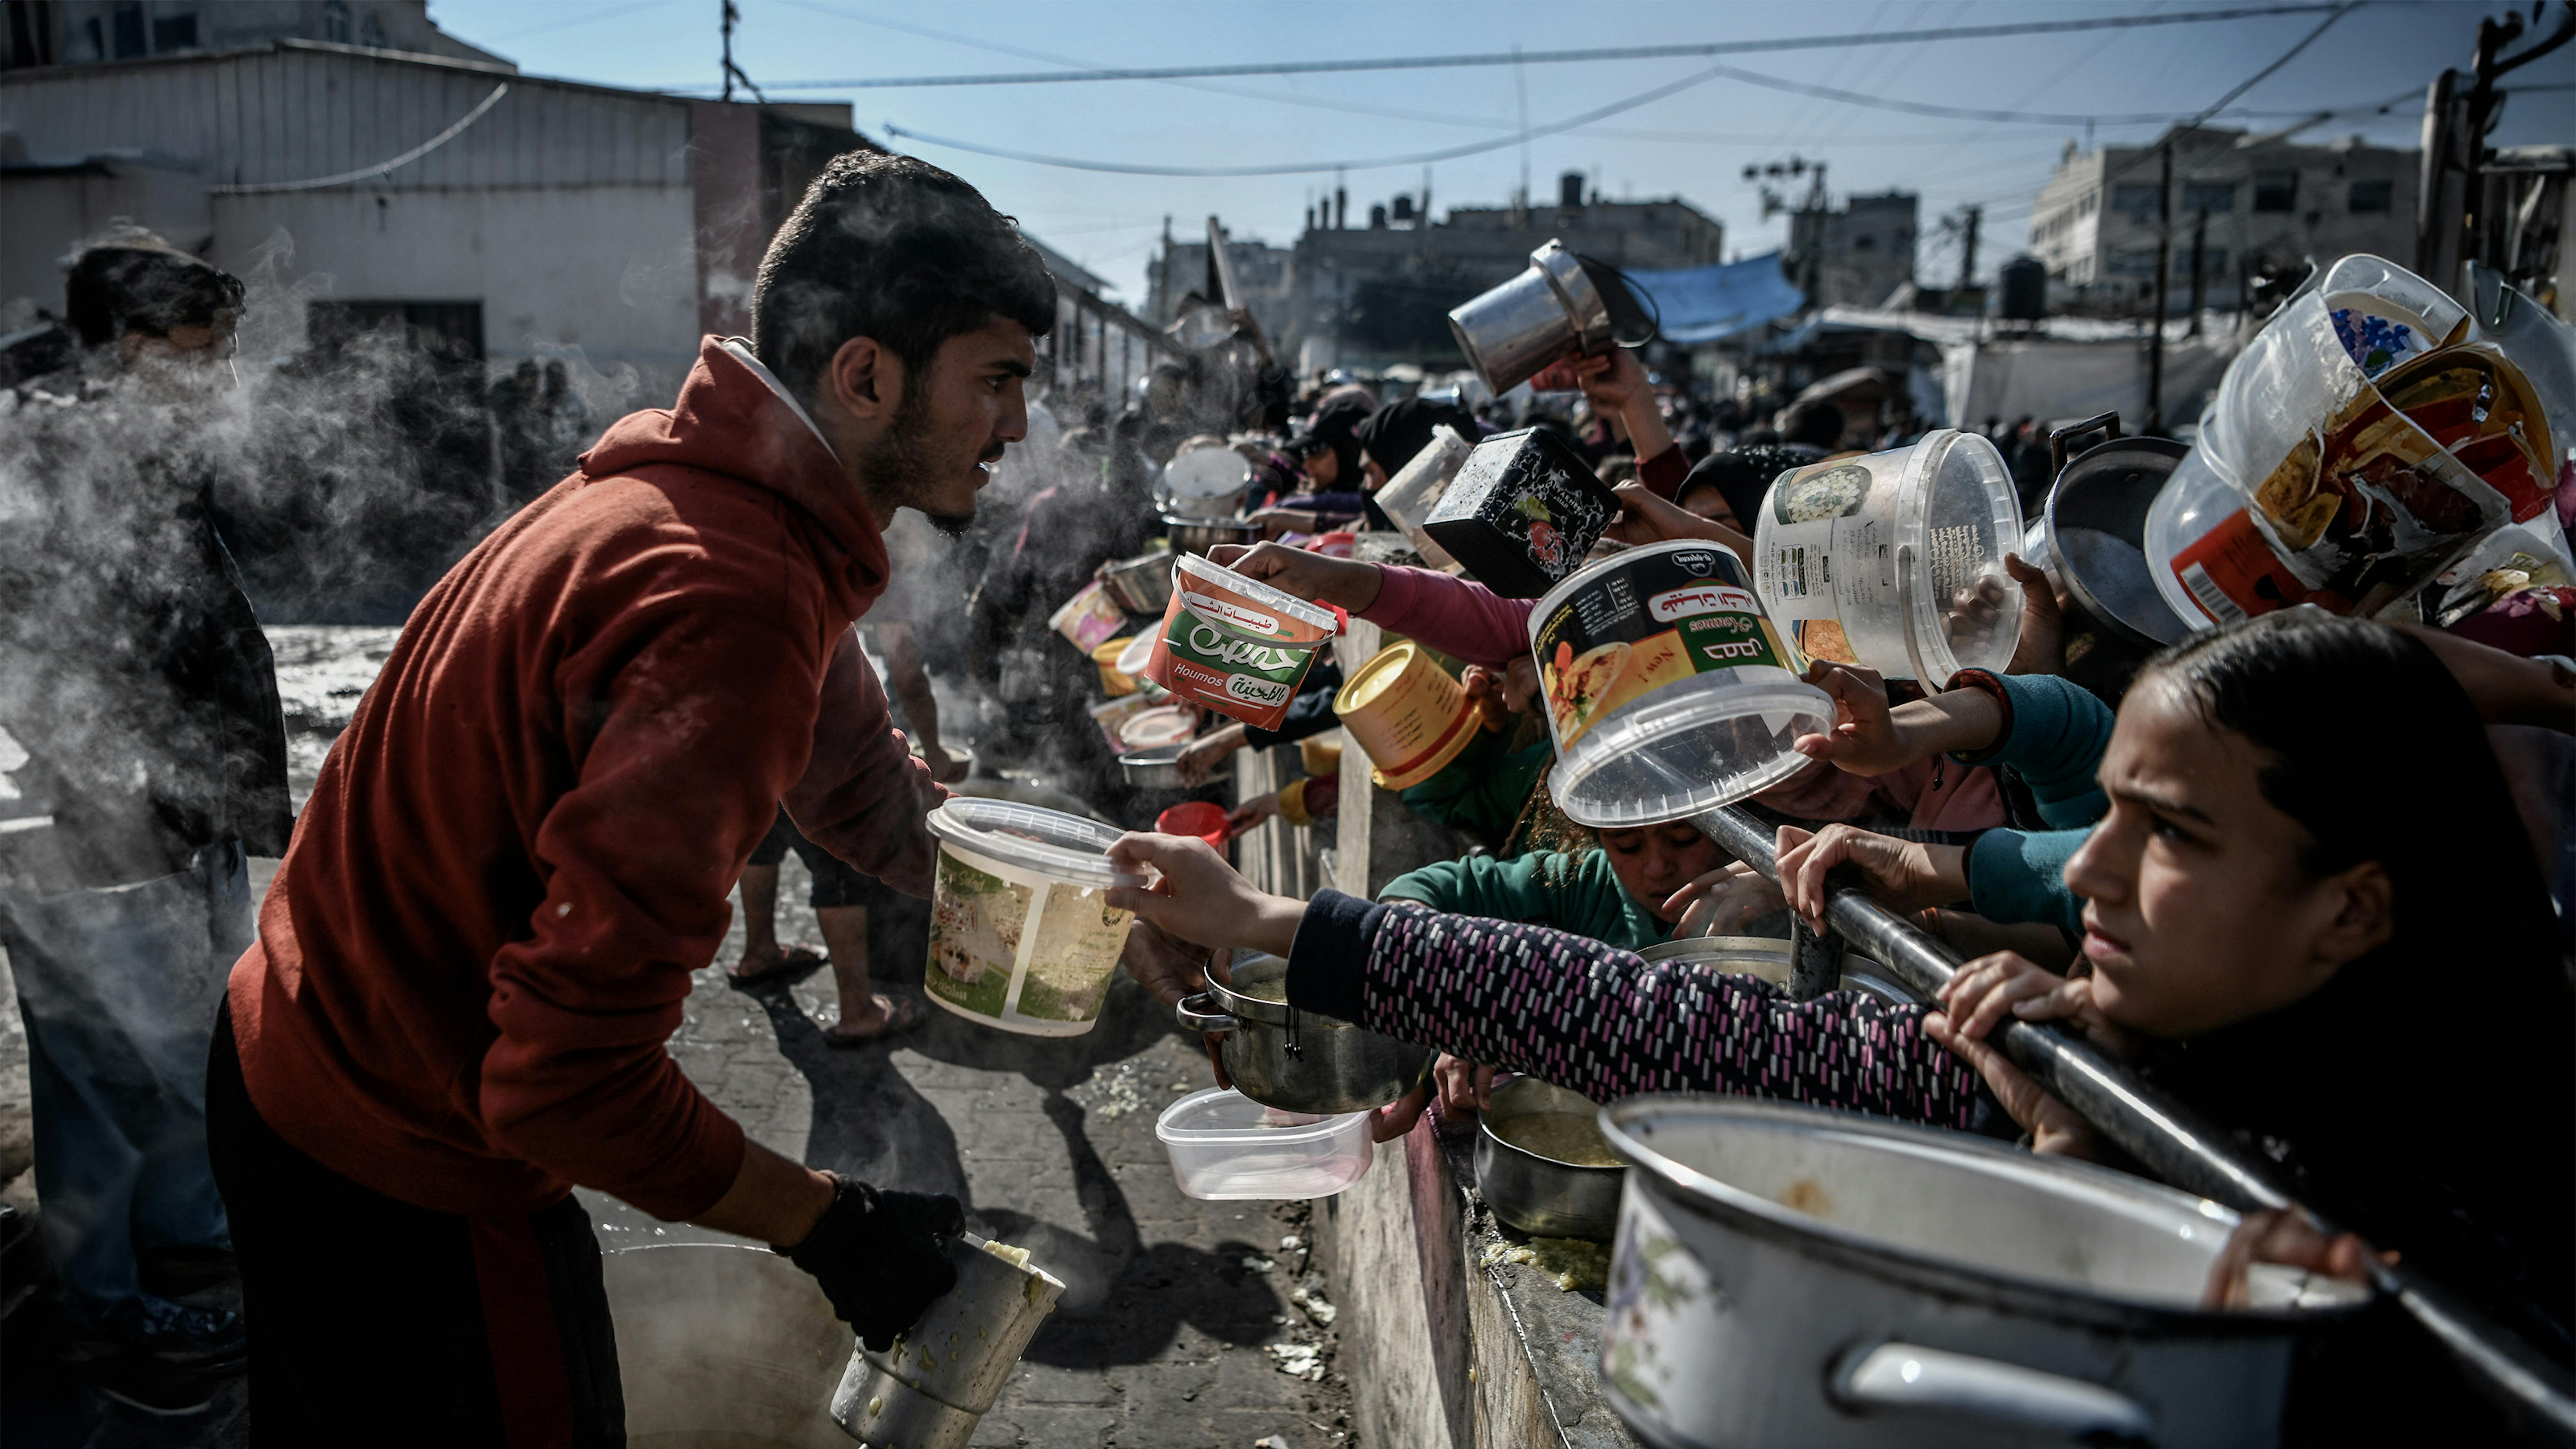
[1482, 791]
[1577, 893]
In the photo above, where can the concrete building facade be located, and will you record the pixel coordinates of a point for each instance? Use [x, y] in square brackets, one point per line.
[2268, 204]
[86, 32]
[1854, 255]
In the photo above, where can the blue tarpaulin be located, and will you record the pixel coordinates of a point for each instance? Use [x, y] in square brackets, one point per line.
[1703, 304]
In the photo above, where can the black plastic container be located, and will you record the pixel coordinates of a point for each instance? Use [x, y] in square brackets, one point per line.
[1522, 513]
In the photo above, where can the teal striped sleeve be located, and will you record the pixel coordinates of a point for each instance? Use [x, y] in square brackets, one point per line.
[2016, 876]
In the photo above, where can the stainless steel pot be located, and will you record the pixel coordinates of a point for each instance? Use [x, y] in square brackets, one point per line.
[1209, 483]
[1551, 311]
[719, 1342]
[1770, 959]
[1300, 1061]
[941, 1376]
[1159, 768]
[1788, 1275]
[2090, 540]
[1143, 584]
[1198, 535]
[1540, 1195]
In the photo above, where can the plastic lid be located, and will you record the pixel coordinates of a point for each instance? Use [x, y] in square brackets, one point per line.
[1680, 750]
[1067, 847]
[1315, 616]
[1223, 1115]
[1960, 515]
[1386, 668]
[1164, 724]
[1131, 660]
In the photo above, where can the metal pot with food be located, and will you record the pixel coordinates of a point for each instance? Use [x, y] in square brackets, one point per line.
[1771, 959]
[1198, 535]
[1543, 1165]
[1791, 1275]
[1143, 584]
[1298, 1061]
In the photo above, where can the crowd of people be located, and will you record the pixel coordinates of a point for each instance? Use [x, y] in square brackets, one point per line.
[2259, 873]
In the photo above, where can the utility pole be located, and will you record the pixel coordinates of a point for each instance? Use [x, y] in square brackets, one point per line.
[1968, 258]
[2199, 256]
[733, 72]
[2164, 268]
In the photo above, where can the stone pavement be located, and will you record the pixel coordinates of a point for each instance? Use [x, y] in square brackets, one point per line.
[1166, 1332]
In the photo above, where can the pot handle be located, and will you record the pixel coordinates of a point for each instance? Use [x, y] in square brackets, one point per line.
[1194, 1013]
[1906, 1378]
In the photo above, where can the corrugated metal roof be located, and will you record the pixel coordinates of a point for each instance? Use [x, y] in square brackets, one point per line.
[299, 109]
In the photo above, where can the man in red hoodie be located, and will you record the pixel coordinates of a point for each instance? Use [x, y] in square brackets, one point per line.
[514, 858]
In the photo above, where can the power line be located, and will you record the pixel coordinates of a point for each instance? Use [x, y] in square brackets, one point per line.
[1562, 57]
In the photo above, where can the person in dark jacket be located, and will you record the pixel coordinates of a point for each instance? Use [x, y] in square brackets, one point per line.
[141, 687]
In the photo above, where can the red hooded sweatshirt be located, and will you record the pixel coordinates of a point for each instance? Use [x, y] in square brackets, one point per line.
[523, 844]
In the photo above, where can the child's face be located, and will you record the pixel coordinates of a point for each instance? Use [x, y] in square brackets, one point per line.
[2198, 911]
[1657, 860]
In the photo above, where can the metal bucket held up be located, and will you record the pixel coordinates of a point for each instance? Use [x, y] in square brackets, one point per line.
[943, 1373]
[1548, 312]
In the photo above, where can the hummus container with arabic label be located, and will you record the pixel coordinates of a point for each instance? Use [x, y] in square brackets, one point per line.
[1022, 936]
[1895, 560]
[1668, 691]
[1236, 645]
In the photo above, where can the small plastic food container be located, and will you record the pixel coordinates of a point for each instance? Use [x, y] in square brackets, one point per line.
[1224, 1145]
[1668, 691]
[1405, 710]
[1021, 933]
[1090, 618]
[1236, 645]
[1895, 560]
[1522, 513]
[1118, 682]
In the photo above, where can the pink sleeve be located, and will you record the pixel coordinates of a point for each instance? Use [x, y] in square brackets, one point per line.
[1460, 619]
[864, 796]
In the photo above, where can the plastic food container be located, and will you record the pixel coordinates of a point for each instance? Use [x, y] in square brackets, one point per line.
[1090, 618]
[1405, 710]
[1522, 512]
[1151, 729]
[1236, 645]
[1112, 679]
[1203, 818]
[1021, 933]
[1224, 1145]
[1895, 560]
[1113, 715]
[1668, 690]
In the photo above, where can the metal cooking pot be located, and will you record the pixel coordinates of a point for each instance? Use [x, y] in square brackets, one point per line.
[1209, 483]
[1300, 1061]
[1770, 959]
[1541, 1196]
[1563, 306]
[1198, 535]
[1788, 1275]
[2090, 541]
[1159, 768]
[1143, 584]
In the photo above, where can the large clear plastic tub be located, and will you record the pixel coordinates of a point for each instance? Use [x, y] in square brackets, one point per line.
[1895, 560]
[1022, 936]
[1224, 1146]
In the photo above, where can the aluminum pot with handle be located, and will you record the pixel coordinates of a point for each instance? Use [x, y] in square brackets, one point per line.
[1789, 1275]
[1562, 306]
[1198, 535]
[2090, 539]
[1300, 1061]
[1535, 1193]
[1143, 584]
[1209, 483]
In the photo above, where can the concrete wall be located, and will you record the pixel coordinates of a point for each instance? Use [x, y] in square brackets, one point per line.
[44, 214]
[608, 270]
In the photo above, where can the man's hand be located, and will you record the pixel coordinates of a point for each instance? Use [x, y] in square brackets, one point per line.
[1900, 872]
[1207, 752]
[1347, 582]
[1199, 897]
[944, 767]
[880, 1256]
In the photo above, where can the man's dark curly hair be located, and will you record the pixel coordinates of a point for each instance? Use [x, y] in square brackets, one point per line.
[895, 249]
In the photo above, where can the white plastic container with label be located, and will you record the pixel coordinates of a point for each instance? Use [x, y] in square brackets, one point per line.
[1021, 933]
[1895, 560]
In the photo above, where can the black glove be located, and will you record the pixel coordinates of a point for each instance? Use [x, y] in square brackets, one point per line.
[878, 1256]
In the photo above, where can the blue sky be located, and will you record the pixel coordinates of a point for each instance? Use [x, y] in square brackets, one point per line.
[1694, 144]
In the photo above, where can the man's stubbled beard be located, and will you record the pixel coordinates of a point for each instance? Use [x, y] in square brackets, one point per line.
[898, 466]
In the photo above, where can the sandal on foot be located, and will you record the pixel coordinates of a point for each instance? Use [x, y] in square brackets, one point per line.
[790, 961]
[903, 1013]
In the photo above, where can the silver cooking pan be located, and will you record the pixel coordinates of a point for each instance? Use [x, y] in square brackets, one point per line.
[2090, 541]
[1793, 1276]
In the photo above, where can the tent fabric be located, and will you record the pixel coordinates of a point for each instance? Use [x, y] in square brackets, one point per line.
[2050, 379]
[1703, 304]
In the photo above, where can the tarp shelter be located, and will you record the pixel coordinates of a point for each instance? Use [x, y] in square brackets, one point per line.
[1703, 304]
[2079, 367]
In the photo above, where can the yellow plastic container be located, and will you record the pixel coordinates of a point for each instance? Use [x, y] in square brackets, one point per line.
[1407, 713]
[1106, 656]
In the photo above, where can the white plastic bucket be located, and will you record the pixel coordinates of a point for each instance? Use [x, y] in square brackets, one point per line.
[1021, 933]
[1668, 691]
[1895, 560]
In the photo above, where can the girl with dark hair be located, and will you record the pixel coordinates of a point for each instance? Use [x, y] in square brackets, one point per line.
[2274, 904]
